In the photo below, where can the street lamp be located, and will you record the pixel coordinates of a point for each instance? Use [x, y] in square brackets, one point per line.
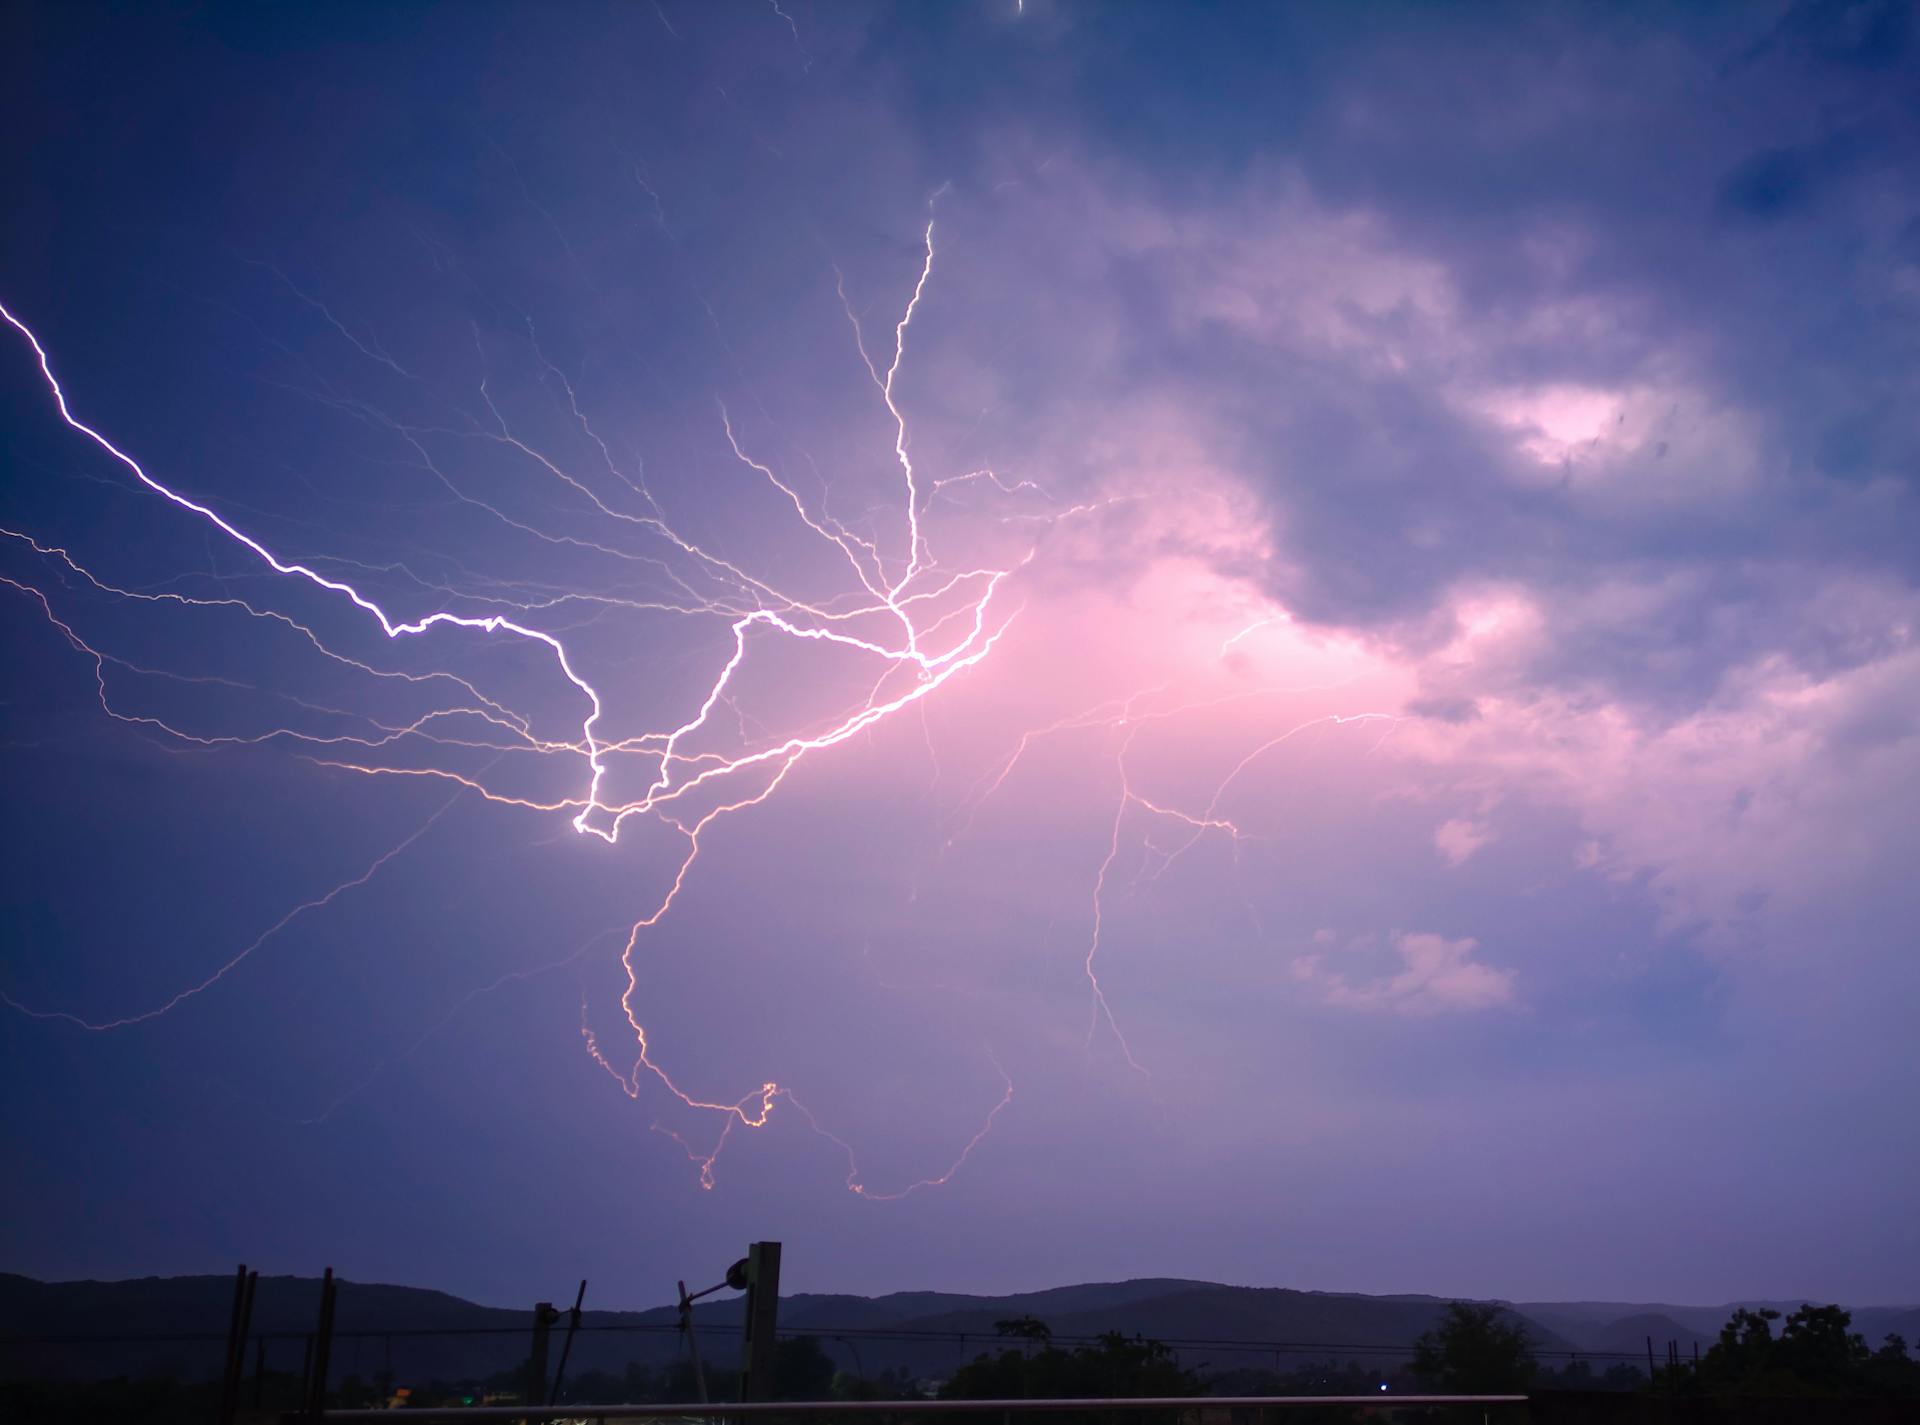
[736, 1281]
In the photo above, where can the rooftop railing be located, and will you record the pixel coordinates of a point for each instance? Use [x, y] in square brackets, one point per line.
[913, 1409]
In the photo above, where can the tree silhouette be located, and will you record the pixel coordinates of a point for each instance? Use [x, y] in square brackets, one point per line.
[1814, 1354]
[1114, 1366]
[1026, 1328]
[1475, 1350]
[801, 1369]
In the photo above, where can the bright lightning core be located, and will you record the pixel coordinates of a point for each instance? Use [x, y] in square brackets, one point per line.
[902, 625]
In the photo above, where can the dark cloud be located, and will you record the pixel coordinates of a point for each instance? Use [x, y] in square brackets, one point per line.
[1615, 205]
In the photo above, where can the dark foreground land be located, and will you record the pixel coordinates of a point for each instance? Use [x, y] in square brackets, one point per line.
[152, 1351]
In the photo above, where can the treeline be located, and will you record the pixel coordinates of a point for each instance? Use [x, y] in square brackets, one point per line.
[1815, 1353]
[1472, 1350]
[1479, 1349]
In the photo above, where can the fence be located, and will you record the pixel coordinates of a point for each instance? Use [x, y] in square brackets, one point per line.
[276, 1368]
[509, 1367]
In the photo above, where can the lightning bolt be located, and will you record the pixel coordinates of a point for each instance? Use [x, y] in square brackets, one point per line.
[916, 624]
[1128, 718]
[691, 788]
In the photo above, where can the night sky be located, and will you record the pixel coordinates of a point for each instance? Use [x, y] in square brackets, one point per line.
[1270, 643]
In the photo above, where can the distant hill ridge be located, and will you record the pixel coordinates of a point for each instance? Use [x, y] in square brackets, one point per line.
[927, 1333]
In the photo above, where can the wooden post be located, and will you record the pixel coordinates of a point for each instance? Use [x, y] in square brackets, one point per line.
[231, 1396]
[236, 1349]
[322, 1347]
[763, 1309]
[544, 1315]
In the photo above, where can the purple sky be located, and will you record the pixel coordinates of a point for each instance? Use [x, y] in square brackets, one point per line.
[1272, 643]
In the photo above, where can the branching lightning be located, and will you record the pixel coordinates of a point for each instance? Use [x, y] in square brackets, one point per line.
[917, 624]
[948, 622]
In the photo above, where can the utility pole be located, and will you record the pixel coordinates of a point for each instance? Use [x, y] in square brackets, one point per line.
[763, 1309]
